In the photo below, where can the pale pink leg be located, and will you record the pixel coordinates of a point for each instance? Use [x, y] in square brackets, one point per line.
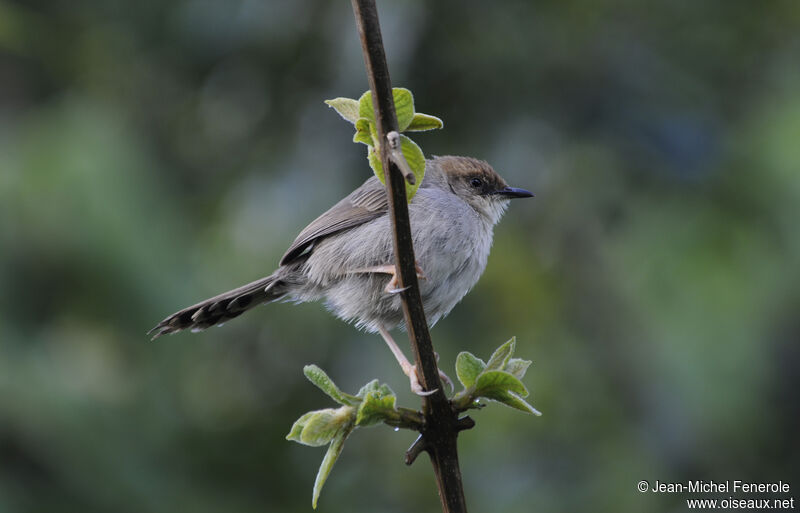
[408, 369]
[392, 286]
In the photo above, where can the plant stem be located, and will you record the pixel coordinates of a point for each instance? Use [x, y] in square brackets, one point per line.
[406, 418]
[441, 421]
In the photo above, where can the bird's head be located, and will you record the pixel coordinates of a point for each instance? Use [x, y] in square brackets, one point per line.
[478, 185]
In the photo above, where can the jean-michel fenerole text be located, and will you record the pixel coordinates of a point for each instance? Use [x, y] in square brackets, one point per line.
[728, 486]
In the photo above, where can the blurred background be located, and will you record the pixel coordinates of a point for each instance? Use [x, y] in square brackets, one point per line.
[153, 154]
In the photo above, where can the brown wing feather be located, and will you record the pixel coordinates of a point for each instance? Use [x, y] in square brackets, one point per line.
[360, 206]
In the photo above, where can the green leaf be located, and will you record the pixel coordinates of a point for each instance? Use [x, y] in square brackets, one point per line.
[497, 380]
[328, 461]
[372, 386]
[375, 163]
[422, 122]
[468, 367]
[363, 132]
[374, 408]
[501, 355]
[319, 427]
[365, 109]
[326, 384]
[514, 401]
[376, 387]
[491, 382]
[403, 107]
[377, 399]
[517, 367]
[345, 107]
[322, 427]
[297, 427]
[416, 161]
[413, 155]
[313, 428]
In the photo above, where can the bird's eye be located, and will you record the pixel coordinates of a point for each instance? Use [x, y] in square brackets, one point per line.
[476, 182]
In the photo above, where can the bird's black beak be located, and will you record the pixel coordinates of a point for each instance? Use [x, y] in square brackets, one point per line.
[513, 192]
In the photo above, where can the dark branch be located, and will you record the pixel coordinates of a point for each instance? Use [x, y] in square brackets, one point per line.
[465, 423]
[415, 450]
[396, 156]
[441, 423]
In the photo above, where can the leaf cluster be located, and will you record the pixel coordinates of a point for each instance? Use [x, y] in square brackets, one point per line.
[374, 403]
[362, 115]
[496, 380]
[499, 379]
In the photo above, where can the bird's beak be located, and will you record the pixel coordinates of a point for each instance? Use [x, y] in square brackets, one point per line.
[513, 192]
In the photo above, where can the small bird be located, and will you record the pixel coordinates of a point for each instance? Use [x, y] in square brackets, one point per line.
[345, 256]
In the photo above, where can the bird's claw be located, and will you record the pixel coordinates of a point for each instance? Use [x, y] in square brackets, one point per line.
[394, 289]
[446, 379]
[393, 286]
[416, 387]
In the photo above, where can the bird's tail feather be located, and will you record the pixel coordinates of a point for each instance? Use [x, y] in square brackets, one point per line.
[219, 309]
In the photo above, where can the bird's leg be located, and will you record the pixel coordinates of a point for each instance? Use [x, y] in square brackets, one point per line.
[390, 269]
[408, 369]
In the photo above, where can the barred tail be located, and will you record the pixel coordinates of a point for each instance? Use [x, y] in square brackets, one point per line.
[221, 308]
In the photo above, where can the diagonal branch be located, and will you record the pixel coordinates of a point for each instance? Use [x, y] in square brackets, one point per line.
[441, 422]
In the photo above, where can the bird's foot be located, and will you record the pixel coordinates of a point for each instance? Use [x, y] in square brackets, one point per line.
[416, 386]
[408, 369]
[393, 287]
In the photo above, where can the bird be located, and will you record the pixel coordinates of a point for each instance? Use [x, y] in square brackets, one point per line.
[345, 257]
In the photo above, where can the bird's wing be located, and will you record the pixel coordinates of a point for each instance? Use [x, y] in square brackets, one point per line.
[362, 205]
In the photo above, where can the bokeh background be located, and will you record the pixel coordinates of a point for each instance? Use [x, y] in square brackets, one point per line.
[153, 154]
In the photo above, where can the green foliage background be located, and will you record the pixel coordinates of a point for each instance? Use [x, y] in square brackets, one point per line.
[156, 153]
